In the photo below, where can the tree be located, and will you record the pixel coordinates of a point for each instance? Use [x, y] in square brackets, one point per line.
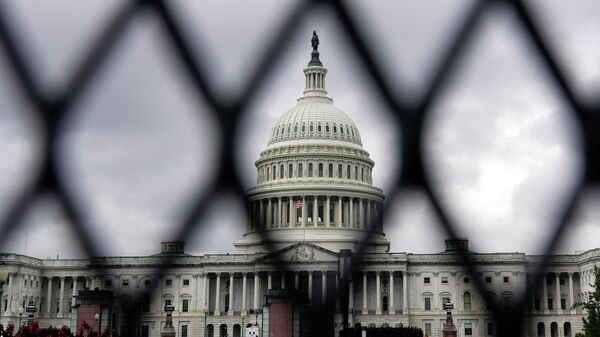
[591, 324]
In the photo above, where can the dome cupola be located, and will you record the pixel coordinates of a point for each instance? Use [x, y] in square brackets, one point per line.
[314, 178]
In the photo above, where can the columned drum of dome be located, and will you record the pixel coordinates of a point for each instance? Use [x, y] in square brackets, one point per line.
[314, 178]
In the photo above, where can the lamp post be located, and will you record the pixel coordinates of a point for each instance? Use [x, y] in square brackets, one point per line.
[20, 314]
[345, 277]
[96, 318]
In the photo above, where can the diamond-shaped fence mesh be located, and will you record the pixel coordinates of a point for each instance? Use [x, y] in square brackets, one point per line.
[53, 110]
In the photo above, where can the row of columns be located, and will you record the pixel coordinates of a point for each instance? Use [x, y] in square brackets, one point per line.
[557, 297]
[378, 305]
[310, 170]
[282, 212]
[310, 277]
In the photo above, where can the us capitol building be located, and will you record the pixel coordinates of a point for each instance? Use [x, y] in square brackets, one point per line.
[314, 197]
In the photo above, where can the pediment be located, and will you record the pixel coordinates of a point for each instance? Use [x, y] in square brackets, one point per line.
[301, 252]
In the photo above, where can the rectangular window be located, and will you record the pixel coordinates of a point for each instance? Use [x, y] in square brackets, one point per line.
[168, 282]
[125, 283]
[168, 301]
[145, 331]
[468, 329]
[185, 305]
[489, 302]
[550, 304]
[428, 329]
[186, 282]
[563, 303]
[427, 303]
[490, 329]
[444, 279]
[310, 169]
[184, 331]
[506, 279]
[426, 280]
[537, 304]
[146, 304]
[488, 279]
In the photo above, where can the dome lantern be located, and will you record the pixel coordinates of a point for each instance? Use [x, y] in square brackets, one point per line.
[315, 72]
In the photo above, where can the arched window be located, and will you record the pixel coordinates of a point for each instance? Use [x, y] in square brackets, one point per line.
[268, 174]
[274, 173]
[340, 170]
[355, 172]
[342, 129]
[311, 127]
[296, 128]
[319, 127]
[362, 174]
[310, 169]
[320, 170]
[348, 175]
[541, 329]
[330, 171]
[290, 171]
[467, 301]
[303, 127]
[210, 330]
[334, 128]
[281, 172]
[327, 128]
[567, 329]
[300, 170]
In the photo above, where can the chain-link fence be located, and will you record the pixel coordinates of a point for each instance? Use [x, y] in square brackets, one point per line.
[53, 110]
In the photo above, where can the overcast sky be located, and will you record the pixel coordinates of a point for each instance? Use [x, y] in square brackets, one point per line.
[501, 143]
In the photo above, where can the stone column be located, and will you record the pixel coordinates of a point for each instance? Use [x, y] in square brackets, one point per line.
[378, 292]
[404, 292]
[369, 221]
[557, 295]
[544, 293]
[62, 297]
[391, 308]
[571, 299]
[351, 221]
[296, 280]
[365, 309]
[218, 296]
[327, 211]
[315, 210]
[269, 214]
[73, 302]
[11, 281]
[48, 299]
[323, 287]
[310, 286]
[256, 285]
[339, 213]
[361, 223]
[270, 281]
[436, 292]
[196, 297]
[279, 214]
[292, 214]
[231, 292]
[244, 294]
[206, 293]
[304, 211]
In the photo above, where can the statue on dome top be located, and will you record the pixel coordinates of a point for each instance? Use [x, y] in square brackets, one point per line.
[315, 40]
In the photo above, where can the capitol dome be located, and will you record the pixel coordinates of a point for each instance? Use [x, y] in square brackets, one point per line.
[314, 179]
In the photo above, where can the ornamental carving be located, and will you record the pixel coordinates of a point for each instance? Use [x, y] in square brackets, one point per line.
[303, 254]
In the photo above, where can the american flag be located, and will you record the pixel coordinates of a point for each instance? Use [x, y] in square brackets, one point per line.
[298, 204]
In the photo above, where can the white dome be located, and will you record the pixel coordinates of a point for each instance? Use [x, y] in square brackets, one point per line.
[315, 117]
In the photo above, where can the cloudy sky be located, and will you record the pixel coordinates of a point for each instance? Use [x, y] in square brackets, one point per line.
[501, 144]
